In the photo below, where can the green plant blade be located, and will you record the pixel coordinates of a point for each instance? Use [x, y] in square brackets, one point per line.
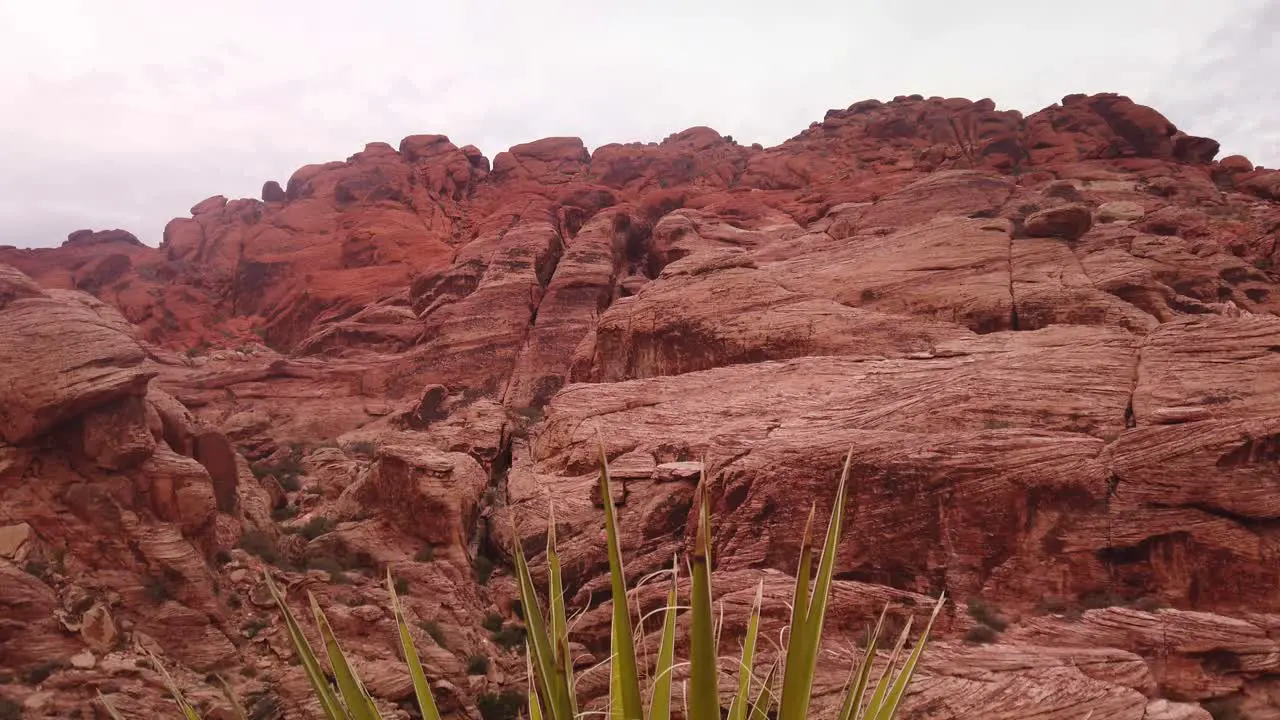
[909, 667]
[236, 705]
[886, 675]
[535, 707]
[797, 688]
[741, 700]
[764, 699]
[615, 689]
[547, 678]
[559, 619]
[860, 674]
[421, 688]
[704, 700]
[315, 674]
[792, 665]
[359, 705]
[624, 649]
[660, 698]
[188, 712]
[111, 709]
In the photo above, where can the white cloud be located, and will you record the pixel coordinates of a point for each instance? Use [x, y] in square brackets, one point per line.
[125, 114]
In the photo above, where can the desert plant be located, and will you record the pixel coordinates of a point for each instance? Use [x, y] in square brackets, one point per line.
[315, 527]
[551, 687]
[484, 568]
[1225, 709]
[981, 634]
[477, 665]
[432, 629]
[505, 705]
[492, 622]
[987, 615]
[509, 637]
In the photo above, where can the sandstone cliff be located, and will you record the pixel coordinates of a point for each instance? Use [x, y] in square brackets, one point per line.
[1051, 341]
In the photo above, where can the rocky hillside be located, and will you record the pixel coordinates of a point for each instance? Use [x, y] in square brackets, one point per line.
[1051, 342]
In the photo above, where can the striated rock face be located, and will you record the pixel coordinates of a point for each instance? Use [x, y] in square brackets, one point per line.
[1051, 342]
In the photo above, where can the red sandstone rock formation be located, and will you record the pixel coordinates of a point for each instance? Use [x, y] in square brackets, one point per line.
[1051, 342]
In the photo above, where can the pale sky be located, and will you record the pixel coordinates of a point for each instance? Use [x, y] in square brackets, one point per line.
[125, 113]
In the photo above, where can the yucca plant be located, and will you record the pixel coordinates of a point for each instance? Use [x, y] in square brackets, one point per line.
[552, 693]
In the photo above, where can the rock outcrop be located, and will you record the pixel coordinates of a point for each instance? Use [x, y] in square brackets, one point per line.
[1051, 342]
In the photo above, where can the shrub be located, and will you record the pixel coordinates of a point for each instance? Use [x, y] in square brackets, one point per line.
[484, 569]
[37, 674]
[286, 468]
[315, 527]
[259, 543]
[426, 554]
[492, 622]
[284, 512]
[432, 629]
[222, 557]
[330, 565]
[477, 665]
[10, 710]
[553, 677]
[254, 625]
[506, 705]
[402, 586]
[987, 615]
[1101, 599]
[1147, 603]
[365, 448]
[509, 637]
[981, 634]
[1225, 709]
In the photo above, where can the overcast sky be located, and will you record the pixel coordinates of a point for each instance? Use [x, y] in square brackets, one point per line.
[125, 113]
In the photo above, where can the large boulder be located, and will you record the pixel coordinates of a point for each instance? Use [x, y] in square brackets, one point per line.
[58, 360]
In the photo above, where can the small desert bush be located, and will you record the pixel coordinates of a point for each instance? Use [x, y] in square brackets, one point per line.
[784, 694]
[1225, 709]
[986, 615]
[492, 622]
[484, 569]
[432, 629]
[510, 636]
[331, 565]
[315, 527]
[477, 665]
[259, 543]
[981, 634]
[506, 705]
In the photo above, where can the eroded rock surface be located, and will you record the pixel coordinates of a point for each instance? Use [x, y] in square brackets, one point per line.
[1052, 344]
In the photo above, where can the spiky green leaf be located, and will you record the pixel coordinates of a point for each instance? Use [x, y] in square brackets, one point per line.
[315, 673]
[624, 649]
[356, 699]
[421, 687]
[660, 698]
[704, 696]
